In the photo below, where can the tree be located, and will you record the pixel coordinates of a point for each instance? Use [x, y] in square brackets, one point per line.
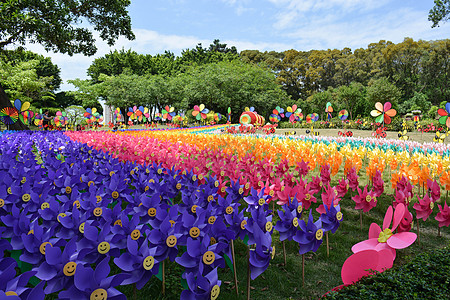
[350, 96]
[382, 90]
[439, 12]
[56, 25]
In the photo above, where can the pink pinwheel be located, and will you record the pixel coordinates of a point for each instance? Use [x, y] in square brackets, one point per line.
[434, 189]
[386, 239]
[406, 222]
[378, 184]
[365, 200]
[443, 216]
[424, 207]
[384, 113]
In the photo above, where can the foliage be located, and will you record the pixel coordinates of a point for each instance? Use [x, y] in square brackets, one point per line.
[425, 277]
[439, 12]
[75, 114]
[56, 24]
[382, 90]
[418, 102]
[86, 94]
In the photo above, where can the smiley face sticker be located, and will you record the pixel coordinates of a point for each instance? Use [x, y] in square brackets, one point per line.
[60, 215]
[118, 222]
[295, 222]
[69, 268]
[77, 204]
[45, 205]
[194, 232]
[243, 223]
[148, 263]
[194, 208]
[211, 220]
[210, 198]
[171, 241]
[151, 211]
[209, 257]
[339, 216]
[215, 291]
[135, 234]
[103, 247]
[229, 210]
[98, 211]
[299, 209]
[81, 227]
[42, 247]
[261, 201]
[2, 202]
[269, 226]
[319, 234]
[99, 294]
[26, 197]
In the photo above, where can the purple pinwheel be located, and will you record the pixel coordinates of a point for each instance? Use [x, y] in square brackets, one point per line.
[165, 238]
[257, 200]
[201, 256]
[262, 253]
[192, 226]
[139, 262]
[95, 284]
[202, 287]
[237, 223]
[59, 267]
[332, 218]
[96, 243]
[235, 191]
[309, 237]
[288, 223]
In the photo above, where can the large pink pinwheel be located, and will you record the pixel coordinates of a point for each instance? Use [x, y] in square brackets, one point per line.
[386, 239]
[384, 113]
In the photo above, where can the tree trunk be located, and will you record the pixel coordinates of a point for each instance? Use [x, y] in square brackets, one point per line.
[4, 102]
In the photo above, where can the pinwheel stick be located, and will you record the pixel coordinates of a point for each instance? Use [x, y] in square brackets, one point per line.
[248, 274]
[234, 267]
[418, 232]
[328, 245]
[303, 270]
[284, 252]
[360, 219]
[163, 278]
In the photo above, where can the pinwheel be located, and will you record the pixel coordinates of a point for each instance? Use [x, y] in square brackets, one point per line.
[439, 137]
[9, 115]
[278, 111]
[25, 115]
[311, 118]
[38, 119]
[443, 216]
[60, 119]
[168, 112]
[365, 200]
[202, 287]
[383, 113]
[252, 109]
[262, 253]
[274, 118]
[402, 135]
[380, 239]
[298, 114]
[132, 112]
[217, 117]
[343, 115]
[329, 110]
[288, 223]
[291, 113]
[309, 236]
[200, 112]
[444, 114]
[158, 116]
[117, 115]
[229, 115]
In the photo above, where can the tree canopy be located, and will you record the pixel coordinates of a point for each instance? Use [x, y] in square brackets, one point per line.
[439, 12]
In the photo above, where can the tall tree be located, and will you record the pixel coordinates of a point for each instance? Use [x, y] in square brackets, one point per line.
[439, 12]
[56, 25]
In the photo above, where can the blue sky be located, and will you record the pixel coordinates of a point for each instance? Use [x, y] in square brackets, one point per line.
[263, 25]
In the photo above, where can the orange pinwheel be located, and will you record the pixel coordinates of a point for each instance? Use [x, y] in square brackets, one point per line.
[383, 114]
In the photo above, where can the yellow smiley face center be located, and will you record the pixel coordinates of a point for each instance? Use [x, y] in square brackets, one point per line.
[339, 216]
[211, 220]
[148, 263]
[42, 247]
[99, 294]
[295, 222]
[98, 211]
[103, 247]
[209, 257]
[135, 234]
[229, 210]
[194, 232]
[69, 268]
[319, 234]
[171, 241]
[45, 205]
[261, 201]
[215, 291]
[269, 226]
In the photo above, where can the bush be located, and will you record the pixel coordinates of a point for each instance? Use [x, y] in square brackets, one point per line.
[425, 277]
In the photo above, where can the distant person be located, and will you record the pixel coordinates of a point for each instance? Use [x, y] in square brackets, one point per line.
[46, 120]
[78, 127]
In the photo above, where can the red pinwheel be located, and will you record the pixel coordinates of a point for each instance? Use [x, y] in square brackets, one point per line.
[445, 115]
[9, 115]
[383, 114]
[200, 112]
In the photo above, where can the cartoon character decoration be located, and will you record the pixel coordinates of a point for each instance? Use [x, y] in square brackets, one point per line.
[249, 117]
[329, 110]
[380, 131]
[402, 135]
[383, 113]
[439, 137]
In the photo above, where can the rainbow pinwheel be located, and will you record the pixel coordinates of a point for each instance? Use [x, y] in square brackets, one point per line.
[343, 115]
[9, 115]
[299, 115]
[311, 118]
[117, 115]
[274, 118]
[291, 113]
[383, 114]
[445, 115]
[38, 119]
[217, 117]
[328, 110]
[132, 112]
[168, 112]
[26, 117]
[200, 111]
[60, 119]
[145, 113]
[158, 117]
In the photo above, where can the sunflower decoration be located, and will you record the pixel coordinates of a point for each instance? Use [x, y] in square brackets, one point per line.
[440, 137]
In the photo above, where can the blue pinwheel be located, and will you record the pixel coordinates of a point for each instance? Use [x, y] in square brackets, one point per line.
[309, 237]
[202, 287]
[332, 218]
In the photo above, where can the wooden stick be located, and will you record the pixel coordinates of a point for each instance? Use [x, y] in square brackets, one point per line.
[163, 278]
[248, 274]
[439, 231]
[303, 270]
[360, 219]
[284, 252]
[418, 232]
[234, 267]
[328, 245]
